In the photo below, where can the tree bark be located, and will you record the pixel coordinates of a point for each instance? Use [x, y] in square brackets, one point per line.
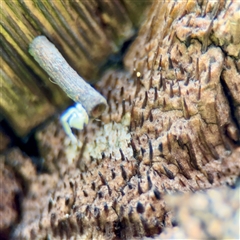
[172, 126]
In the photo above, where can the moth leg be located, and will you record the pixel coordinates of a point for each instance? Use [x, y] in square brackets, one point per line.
[74, 117]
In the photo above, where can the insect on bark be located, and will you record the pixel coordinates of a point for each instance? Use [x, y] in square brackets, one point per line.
[89, 102]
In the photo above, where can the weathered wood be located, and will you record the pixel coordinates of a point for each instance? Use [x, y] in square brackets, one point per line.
[169, 129]
[85, 32]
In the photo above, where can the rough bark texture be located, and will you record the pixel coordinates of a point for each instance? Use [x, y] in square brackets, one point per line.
[172, 126]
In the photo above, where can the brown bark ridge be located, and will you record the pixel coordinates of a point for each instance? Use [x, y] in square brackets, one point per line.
[85, 32]
[172, 126]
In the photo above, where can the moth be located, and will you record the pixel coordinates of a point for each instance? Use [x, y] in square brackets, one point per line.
[89, 102]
